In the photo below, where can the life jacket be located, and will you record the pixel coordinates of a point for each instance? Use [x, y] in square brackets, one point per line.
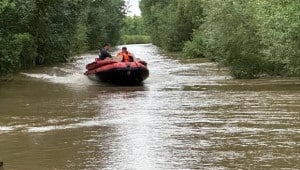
[126, 57]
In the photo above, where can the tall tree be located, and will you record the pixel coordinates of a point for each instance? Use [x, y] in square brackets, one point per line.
[134, 25]
[105, 20]
[171, 23]
[49, 31]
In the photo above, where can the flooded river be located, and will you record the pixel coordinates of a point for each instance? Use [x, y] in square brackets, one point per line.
[189, 114]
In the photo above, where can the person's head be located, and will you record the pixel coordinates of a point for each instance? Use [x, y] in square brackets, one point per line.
[106, 46]
[124, 49]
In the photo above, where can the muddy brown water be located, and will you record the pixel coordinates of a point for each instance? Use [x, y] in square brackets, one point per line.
[188, 115]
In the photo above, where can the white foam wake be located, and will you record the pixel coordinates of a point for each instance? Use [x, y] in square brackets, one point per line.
[75, 78]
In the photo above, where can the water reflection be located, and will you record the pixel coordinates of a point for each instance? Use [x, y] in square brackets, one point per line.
[188, 115]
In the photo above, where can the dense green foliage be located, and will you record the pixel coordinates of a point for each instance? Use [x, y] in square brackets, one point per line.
[105, 20]
[49, 31]
[134, 25]
[171, 23]
[134, 31]
[135, 39]
[252, 37]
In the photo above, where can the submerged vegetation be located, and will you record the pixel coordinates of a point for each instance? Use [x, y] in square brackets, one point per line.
[35, 32]
[252, 37]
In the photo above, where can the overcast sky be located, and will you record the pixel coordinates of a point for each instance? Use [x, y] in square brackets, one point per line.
[134, 7]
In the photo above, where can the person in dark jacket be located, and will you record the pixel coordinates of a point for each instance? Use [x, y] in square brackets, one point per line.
[104, 52]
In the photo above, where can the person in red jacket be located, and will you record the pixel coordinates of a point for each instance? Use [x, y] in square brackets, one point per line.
[125, 55]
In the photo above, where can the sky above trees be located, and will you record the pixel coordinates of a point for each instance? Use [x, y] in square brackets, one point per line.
[133, 8]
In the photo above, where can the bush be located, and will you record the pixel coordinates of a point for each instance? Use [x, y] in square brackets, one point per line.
[194, 48]
[249, 67]
[28, 53]
[10, 49]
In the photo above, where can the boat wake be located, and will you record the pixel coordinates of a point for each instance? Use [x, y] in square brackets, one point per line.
[69, 74]
[75, 78]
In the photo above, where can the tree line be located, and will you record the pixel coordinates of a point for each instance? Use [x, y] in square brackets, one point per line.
[35, 32]
[253, 37]
[134, 31]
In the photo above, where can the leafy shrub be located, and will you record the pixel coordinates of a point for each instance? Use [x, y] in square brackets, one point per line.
[28, 52]
[10, 48]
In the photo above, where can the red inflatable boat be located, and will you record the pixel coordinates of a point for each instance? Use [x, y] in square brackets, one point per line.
[117, 72]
